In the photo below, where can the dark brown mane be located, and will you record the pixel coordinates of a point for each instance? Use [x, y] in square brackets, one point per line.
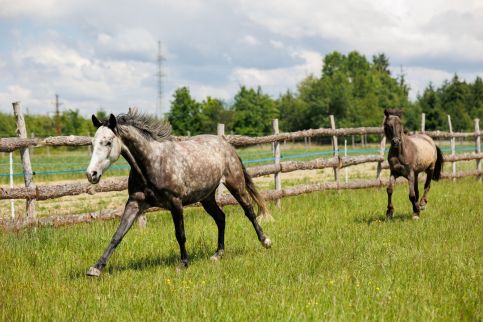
[393, 111]
[149, 126]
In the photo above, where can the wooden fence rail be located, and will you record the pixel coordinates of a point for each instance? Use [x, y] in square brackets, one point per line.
[119, 184]
[224, 200]
[12, 144]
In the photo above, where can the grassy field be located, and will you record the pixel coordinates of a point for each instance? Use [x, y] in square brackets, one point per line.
[334, 257]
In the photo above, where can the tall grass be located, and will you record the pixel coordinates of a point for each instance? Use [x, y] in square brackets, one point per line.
[334, 257]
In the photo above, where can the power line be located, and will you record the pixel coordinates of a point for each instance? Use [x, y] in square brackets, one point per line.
[160, 76]
[57, 115]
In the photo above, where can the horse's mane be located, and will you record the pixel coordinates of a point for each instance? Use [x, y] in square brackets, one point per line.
[149, 126]
[393, 111]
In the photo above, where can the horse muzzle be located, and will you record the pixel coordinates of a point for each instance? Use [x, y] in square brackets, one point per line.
[93, 176]
[396, 141]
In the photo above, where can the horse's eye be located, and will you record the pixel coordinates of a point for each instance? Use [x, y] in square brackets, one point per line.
[109, 143]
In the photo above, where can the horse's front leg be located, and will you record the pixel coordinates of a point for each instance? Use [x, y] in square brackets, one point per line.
[414, 193]
[131, 211]
[177, 214]
[390, 189]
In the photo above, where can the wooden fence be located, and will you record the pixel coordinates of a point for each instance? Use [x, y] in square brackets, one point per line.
[31, 192]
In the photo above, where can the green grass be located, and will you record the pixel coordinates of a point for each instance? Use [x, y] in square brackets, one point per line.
[334, 257]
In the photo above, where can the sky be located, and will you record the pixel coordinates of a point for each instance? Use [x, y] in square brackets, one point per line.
[102, 54]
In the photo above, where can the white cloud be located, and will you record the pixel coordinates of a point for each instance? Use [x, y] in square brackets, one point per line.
[277, 80]
[250, 40]
[83, 82]
[135, 41]
[399, 28]
[101, 53]
[38, 9]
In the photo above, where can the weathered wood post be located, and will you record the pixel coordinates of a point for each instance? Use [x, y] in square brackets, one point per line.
[335, 148]
[382, 148]
[12, 202]
[453, 148]
[276, 154]
[25, 156]
[220, 130]
[478, 145]
[423, 122]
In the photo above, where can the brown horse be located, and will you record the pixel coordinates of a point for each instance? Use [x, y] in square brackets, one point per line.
[408, 156]
[170, 174]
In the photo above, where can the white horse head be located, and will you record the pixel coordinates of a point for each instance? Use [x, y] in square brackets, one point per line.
[106, 150]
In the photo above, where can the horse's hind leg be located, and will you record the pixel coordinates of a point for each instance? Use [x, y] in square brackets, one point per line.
[176, 208]
[427, 186]
[241, 195]
[414, 193]
[212, 208]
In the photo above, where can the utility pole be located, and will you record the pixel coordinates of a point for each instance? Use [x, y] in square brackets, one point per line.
[160, 76]
[57, 115]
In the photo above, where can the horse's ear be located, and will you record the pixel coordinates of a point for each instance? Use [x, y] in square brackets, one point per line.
[386, 112]
[112, 122]
[96, 122]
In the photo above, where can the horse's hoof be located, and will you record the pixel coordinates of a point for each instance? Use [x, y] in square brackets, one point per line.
[267, 243]
[217, 256]
[182, 266]
[415, 217]
[389, 213]
[94, 272]
[422, 206]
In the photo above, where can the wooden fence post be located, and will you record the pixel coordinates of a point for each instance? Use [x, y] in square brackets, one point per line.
[276, 153]
[335, 148]
[12, 202]
[25, 156]
[346, 169]
[423, 122]
[220, 130]
[453, 148]
[478, 144]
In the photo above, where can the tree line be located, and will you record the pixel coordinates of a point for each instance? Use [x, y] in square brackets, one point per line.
[352, 88]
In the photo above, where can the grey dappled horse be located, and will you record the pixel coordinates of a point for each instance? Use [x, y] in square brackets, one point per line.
[170, 174]
[408, 156]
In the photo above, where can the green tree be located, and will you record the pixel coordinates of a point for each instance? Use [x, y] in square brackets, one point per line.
[454, 98]
[254, 112]
[429, 104]
[185, 114]
[292, 112]
[101, 114]
[475, 103]
[73, 123]
[214, 112]
[7, 125]
[380, 63]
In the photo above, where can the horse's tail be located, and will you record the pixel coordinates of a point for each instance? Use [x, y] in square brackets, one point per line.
[263, 212]
[438, 165]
